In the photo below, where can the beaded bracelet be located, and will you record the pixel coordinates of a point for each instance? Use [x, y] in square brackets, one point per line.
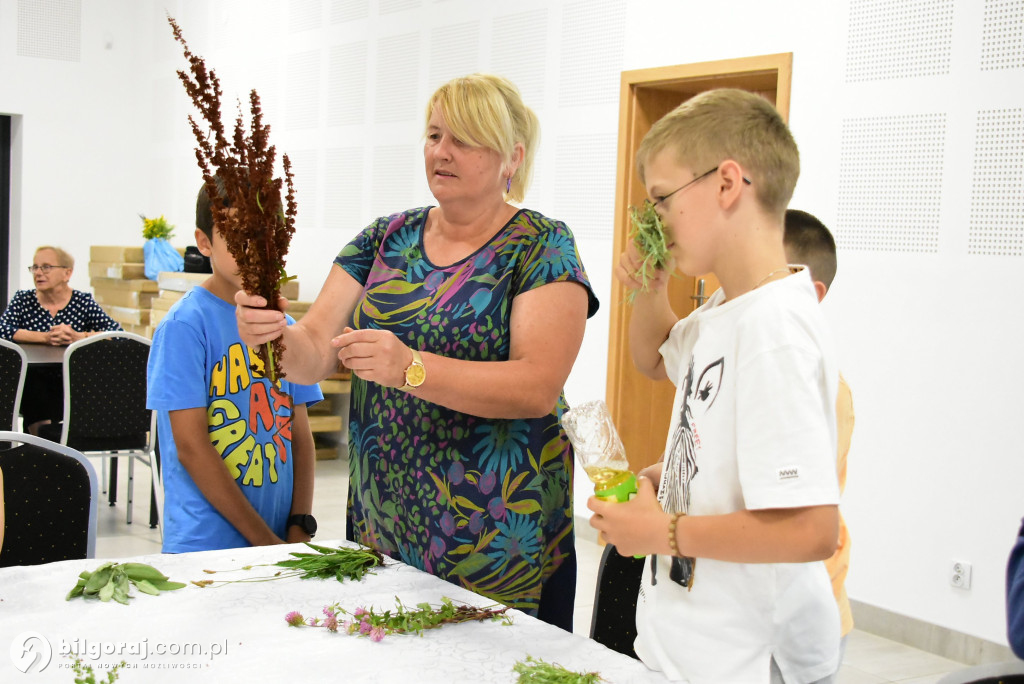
[672, 534]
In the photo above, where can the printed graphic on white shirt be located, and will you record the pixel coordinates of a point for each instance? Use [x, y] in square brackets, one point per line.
[681, 459]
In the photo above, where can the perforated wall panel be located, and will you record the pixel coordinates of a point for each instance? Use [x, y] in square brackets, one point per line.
[396, 96]
[50, 29]
[997, 189]
[1002, 35]
[343, 190]
[583, 199]
[890, 39]
[307, 193]
[518, 50]
[305, 15]
[890, 183]
[303, 88]
[346, 85]
[454, 51]
[592, 41]
[395, 168]
[393, 6]
[349, 10]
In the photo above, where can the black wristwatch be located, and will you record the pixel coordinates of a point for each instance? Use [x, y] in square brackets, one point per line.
[305, 521]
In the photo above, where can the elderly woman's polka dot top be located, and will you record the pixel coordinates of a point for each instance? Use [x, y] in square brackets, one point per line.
[82, 313]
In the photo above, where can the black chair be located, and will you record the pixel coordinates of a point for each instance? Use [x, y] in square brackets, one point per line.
[613, 623]
[49, 501]
[105, 410]
[13, 365]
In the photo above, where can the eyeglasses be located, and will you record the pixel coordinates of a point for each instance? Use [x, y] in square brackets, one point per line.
[45, 268]
[661, 200]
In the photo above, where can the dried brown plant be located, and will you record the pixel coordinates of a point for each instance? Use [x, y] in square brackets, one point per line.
[250, 214]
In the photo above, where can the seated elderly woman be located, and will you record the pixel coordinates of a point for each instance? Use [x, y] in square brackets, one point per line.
[53, 314]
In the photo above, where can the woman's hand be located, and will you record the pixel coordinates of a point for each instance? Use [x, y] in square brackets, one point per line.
[374, 355]
[635, 527]
[63, 335]
[256, 323]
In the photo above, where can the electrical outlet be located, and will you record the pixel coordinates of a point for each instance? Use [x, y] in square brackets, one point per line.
[960, 574]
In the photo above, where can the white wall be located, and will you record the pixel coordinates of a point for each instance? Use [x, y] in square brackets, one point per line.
[885, 105]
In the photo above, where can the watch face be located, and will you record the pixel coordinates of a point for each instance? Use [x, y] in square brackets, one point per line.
[415, 375]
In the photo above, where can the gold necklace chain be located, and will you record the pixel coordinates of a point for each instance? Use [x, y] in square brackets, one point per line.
[765, 279]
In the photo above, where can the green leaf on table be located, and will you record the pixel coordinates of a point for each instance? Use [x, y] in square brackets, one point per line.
[113, 581]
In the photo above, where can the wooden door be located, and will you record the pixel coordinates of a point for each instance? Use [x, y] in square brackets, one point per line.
[640, 407]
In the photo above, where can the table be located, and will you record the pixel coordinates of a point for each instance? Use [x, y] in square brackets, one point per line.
[237, 632]
[43, 353]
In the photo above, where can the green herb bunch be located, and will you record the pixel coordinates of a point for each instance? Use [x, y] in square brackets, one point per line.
[402, 620]
[114, 580]
[156, 228]
[648, 233]
[536, 671]
[340, 563]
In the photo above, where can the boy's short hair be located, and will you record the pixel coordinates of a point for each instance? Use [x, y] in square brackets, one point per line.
[485, 110]
[809, 242]
[63, 257]
[204, 213]
[728, 123]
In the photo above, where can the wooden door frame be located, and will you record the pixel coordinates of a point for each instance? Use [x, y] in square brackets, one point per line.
[639, 406]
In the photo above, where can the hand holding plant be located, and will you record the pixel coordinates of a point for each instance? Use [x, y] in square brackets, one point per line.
[647, 233]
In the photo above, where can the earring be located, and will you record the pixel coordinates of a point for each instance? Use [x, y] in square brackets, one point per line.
[508, 185]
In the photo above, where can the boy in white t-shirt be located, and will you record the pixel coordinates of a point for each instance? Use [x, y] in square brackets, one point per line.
[743, 509]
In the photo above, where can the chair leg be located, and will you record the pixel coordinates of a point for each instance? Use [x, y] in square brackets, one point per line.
[154, 516]
[112, 498]
[131, 486]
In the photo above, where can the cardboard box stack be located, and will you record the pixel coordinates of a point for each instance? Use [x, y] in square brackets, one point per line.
[172, 286]
[119, 285]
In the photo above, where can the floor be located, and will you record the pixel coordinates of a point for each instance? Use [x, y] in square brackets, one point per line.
[869, 659]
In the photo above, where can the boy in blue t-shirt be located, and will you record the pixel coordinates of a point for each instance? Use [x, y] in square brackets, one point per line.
[237, 453]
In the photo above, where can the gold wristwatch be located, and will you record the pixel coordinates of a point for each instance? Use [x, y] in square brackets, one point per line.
[415, 374]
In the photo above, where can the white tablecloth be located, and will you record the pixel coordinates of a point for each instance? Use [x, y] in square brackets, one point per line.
[237, 632]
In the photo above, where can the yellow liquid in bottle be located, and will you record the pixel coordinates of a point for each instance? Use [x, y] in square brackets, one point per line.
[601, 475]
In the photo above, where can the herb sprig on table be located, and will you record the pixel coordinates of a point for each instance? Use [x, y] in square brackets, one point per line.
[113, 581]
[341, 563]
[536, 671]
[648, 233]
[402, 620]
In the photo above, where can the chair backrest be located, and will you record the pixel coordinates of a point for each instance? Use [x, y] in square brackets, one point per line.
[613, 623]
[105, 393]
[49, 500]
[13, 364]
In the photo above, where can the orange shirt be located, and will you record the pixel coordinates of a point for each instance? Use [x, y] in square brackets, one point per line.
[839, 563]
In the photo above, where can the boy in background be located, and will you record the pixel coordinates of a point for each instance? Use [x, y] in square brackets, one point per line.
[237, 453]
[810, 243]
[743, 509]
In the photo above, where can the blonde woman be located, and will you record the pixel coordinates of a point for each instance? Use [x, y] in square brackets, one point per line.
[460, 323]
[55, 314]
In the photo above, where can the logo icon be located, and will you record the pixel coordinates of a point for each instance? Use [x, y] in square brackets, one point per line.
[31, 652]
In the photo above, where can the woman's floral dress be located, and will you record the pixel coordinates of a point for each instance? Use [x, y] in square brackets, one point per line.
[483, 503]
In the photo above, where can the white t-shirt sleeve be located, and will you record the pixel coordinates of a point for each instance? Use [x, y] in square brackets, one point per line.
[785, 437]
[676, 350]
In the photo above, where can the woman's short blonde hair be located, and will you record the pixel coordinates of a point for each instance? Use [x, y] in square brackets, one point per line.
[63, 258]
[728, 123]
[484, 110]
